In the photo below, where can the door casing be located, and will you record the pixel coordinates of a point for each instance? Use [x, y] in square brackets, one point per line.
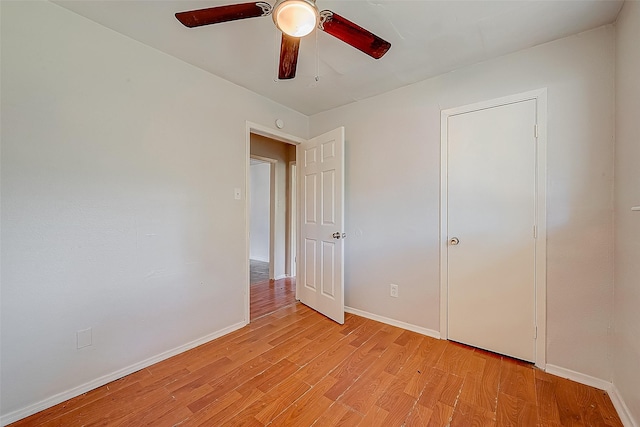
[254, 128]
[540, 96]
[272, 210]
[293, 218]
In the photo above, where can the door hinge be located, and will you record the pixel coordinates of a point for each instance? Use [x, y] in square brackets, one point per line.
[535, 232]
[535, 131]
[535, 332]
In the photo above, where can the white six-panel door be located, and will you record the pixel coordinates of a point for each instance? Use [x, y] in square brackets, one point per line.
[320, 275]
[491, 214]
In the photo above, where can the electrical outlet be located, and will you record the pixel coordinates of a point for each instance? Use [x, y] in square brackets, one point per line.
[393, 290]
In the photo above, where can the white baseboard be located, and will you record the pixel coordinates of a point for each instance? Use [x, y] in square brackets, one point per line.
[578, 377]
[408, 326]
[621, 408]
[283, 276]
[98, 382]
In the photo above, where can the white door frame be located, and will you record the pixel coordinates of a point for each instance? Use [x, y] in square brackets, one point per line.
[293, 217]
[540, 96]
[278, 136]
[272, 210]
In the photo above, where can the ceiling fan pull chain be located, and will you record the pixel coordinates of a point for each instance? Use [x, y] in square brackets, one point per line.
[317, 59]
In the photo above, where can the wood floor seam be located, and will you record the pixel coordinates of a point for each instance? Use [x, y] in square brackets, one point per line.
[294, 367]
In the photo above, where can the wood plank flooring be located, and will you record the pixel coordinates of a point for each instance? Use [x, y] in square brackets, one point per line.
[271, 295]
[295, 367]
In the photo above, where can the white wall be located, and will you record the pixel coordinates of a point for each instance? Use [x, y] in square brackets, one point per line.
[118, 168]
[626, 348]
[260, 210]
[392, 190]
[119, 165]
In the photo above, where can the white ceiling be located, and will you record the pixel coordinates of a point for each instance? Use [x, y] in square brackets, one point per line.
[427, 38]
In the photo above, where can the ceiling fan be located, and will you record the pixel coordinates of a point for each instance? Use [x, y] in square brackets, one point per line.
[295, 19]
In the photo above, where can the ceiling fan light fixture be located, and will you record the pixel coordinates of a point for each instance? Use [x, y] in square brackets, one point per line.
[296, 18]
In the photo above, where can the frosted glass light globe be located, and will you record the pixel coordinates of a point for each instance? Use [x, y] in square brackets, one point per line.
[296, 18]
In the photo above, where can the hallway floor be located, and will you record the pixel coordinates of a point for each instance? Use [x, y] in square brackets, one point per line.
[271, 295]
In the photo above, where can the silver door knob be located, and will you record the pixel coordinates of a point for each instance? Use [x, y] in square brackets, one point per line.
[338, 235]
[454, 241]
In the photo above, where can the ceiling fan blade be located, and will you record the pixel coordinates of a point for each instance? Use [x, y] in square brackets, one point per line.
[215, 15]
[288, 57]
[353, 34]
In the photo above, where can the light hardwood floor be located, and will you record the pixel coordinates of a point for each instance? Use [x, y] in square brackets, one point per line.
[271, 295]
[295, 367]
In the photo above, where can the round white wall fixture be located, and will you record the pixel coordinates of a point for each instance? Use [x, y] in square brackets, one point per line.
[279, 123]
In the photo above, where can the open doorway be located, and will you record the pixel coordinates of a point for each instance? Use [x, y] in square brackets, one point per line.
[319, 224]
[271, 225]
[260, 265]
